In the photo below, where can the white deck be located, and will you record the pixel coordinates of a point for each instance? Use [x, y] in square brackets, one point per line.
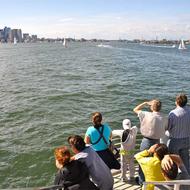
[119, 185]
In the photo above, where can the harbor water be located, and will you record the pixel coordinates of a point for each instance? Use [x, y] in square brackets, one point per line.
[48, 92]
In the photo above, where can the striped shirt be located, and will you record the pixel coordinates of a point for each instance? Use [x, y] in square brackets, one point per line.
[179, 122]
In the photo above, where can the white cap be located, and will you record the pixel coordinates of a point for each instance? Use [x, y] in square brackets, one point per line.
[126, 124]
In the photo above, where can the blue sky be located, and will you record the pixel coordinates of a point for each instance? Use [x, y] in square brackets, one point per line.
[108, 19]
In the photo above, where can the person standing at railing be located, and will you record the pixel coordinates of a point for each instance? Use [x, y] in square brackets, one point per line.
[152, 127]
[128, 142]
[179, 130]
[99, 136]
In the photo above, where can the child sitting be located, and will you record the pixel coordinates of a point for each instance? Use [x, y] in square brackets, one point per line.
[128, 142]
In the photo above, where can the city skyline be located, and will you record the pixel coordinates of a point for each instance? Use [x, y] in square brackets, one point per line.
[106, 19]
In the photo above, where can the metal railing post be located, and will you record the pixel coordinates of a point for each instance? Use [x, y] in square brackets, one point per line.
[176, 186]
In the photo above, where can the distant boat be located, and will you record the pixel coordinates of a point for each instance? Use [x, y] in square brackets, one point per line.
[15, 41]
[182, 45]
[65, 43]
[173, 46]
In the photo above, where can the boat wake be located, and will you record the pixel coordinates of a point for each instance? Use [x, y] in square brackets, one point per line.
[157, 46]
[105, 46]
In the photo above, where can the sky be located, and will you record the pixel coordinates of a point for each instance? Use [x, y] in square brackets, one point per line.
[102, 19]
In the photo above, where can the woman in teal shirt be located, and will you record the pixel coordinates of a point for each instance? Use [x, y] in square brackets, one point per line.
[99, 136]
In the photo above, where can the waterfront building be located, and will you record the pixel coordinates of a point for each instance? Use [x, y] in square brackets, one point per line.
[34, 38]
[16, 33]
[26, 37]
[1, 35]
[7, 34]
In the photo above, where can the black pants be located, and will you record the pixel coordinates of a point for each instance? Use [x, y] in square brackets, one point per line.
[109, 159]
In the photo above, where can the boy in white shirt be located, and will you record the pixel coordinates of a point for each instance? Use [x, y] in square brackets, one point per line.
[128, 142]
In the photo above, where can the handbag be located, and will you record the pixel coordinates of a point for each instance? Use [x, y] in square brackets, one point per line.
[114, 150]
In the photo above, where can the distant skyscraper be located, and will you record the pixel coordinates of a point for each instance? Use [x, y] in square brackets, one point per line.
[7, 34]
[17, 33]
[1, 35]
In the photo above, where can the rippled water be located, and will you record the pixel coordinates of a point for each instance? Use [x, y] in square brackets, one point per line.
[48, 92]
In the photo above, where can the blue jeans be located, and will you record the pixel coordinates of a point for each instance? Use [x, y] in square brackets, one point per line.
[180, 147]
[146, 143]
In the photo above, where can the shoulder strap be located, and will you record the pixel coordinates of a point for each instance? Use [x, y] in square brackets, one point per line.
[101, 135]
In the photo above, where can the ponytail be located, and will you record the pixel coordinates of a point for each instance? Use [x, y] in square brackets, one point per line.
[97, 119]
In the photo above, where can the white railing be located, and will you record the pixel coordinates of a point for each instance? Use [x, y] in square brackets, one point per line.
[59, 187]
[174, 183]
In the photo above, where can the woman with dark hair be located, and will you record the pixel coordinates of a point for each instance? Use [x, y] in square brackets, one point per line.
[170, 165]
[98, 170]
[99, 136]
[72, 174]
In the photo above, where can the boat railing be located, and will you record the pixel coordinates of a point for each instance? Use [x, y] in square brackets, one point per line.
[54, 187]
[174, 184]
[59, 187]
[170, 185]
[117, 142]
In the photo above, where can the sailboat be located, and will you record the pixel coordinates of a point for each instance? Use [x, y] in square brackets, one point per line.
[182, 45]
[64, 43]
[15, 41]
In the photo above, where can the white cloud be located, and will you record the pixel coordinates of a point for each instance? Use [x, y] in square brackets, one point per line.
[65, 20]
[106, 26]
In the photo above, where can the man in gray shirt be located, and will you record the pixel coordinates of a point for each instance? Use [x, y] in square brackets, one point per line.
[98, 170]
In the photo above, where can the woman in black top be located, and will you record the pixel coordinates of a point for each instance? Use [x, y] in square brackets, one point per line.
[71, 172]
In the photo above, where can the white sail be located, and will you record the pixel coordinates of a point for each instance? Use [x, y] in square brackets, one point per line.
[64, 42]
[182, 45]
